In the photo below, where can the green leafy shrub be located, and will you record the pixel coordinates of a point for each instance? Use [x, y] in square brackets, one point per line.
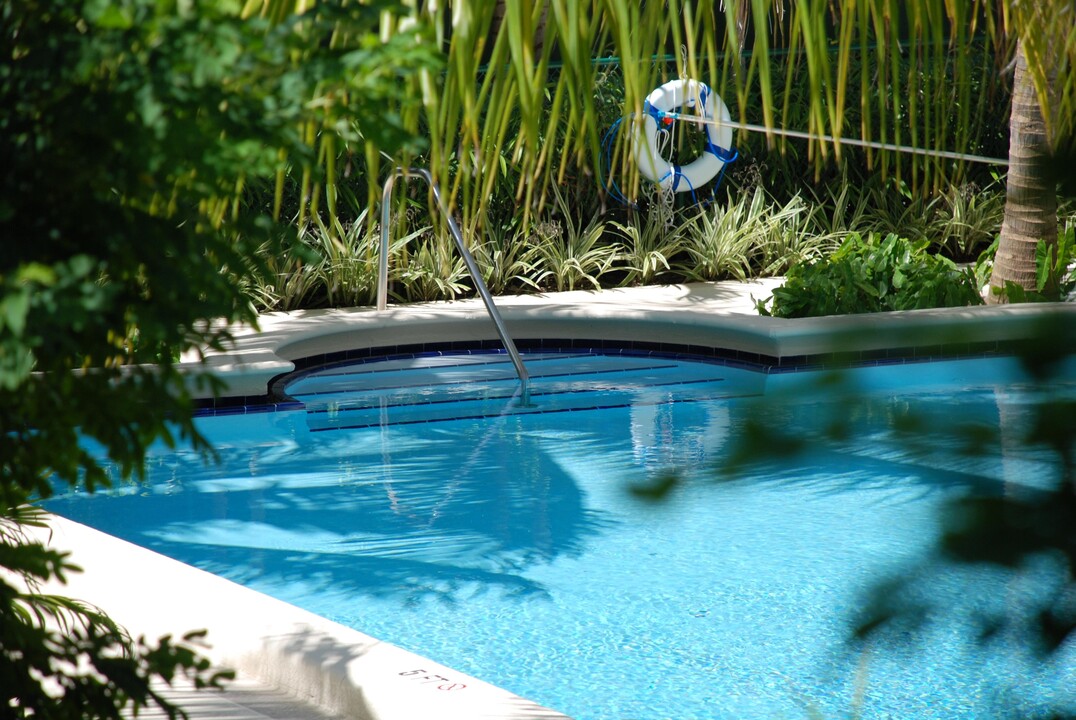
[649, 240]
[873, 275]
[966, 219]
[502, 254]
[431, 269]
[567, 253]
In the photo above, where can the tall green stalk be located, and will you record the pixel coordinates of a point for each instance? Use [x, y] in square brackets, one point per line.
[516, 102]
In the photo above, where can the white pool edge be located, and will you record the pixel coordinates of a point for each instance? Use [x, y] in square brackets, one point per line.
[324, 664]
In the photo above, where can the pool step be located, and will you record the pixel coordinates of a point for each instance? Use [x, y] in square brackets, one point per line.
[440, 389]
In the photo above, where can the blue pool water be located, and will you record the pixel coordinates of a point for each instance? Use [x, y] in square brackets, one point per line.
[417, 501]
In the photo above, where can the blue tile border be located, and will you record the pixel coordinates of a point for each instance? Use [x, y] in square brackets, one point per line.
[277, 400]
[244, 405]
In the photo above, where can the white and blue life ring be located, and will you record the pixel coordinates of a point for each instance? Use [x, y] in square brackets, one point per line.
[668, 99]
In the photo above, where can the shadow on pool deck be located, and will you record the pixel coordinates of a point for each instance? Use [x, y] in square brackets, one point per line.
[243, 699]
[291, 663]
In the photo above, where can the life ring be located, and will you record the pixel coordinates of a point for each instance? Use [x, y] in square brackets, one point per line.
[665, 99]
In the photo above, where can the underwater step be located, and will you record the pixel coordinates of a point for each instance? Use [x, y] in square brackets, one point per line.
[448, 370]
[434, 389]
[341, 416]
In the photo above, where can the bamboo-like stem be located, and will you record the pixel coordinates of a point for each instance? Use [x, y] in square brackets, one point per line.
[915, 74]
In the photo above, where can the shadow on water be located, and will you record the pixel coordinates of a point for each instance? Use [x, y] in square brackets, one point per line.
[935, 441]
[427, 514]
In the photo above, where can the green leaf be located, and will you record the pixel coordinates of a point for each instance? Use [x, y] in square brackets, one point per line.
[898, 279]
[1044, 264]
[14, 309]
[35, 273]
[1015, 292]
[109, 15]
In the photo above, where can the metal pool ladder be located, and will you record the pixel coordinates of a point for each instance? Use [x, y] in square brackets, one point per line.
[476, 275]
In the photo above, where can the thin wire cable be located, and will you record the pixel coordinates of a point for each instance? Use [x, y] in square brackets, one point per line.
[947, 154]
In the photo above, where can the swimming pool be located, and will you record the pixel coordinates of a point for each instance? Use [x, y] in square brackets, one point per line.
[415, 499]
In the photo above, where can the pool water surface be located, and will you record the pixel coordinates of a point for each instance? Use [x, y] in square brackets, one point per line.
[418, 500]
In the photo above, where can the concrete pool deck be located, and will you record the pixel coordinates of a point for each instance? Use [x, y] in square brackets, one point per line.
[293, 664]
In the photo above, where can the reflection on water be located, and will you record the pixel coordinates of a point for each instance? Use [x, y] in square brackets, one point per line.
[661, 443]
[392, 511]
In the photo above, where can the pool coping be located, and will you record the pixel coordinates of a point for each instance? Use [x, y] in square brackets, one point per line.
[706, 319]
[346, 672]
[320, 663]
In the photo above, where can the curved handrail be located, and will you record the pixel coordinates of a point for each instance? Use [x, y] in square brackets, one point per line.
[476, 275]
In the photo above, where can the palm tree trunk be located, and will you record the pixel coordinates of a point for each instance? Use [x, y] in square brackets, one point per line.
[1031, 198]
